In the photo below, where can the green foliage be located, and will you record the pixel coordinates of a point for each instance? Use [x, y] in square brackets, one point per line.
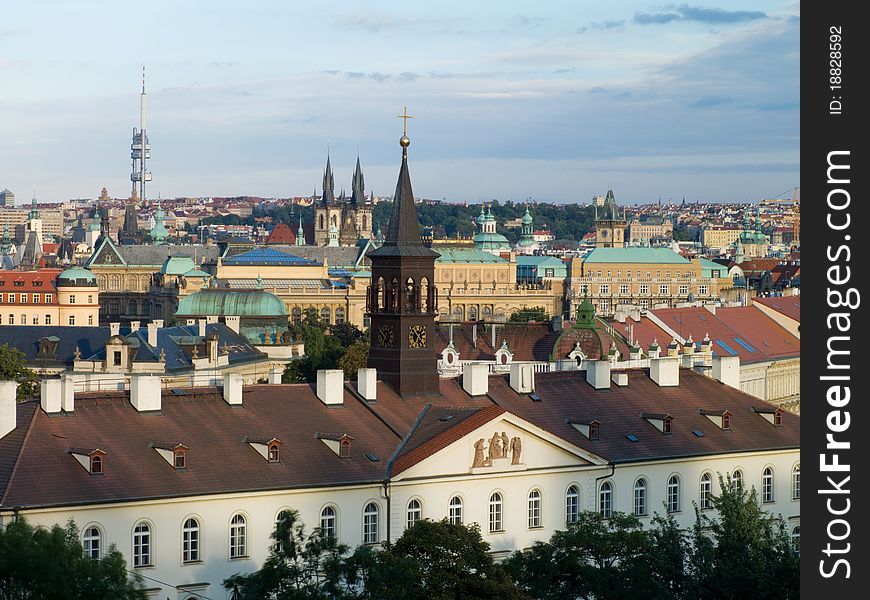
[325, 346]
[43, 564]
[354, 358]
[13, 368]
[525, 315]
[742, 548]
[299, 567]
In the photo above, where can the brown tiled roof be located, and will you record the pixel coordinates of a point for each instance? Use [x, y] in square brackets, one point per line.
[618, 409]
[594, 343]
[281, 234]
[527, 341]
[41, 280]
[434, 431]
[790, 306]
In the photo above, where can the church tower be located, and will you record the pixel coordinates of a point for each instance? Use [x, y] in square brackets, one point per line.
[402, 300]
[610, 225]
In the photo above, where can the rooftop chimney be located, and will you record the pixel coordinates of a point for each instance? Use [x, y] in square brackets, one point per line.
[598, 374]
[233, 388]
[8, 407]
[49, 395]
[274, 375]
[134, 326]
[330, 386]
[522, 378]
[665, 371]
[620, 379]
[727, 370]
[201, 327]
[475, 379]
[232, 322]
[114, 328]
[159, 323]
[152, 333]
[67, 393]
[145, 392]
[367, 381]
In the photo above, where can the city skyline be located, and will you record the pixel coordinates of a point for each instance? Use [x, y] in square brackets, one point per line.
[553, 102]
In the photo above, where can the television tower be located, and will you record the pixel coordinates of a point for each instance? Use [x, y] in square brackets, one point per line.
[140, 150]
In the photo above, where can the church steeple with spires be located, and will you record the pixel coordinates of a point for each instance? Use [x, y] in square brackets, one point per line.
[358, 195]
[402, 300]
[328, 184]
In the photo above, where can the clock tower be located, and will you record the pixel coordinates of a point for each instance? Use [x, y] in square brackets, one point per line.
[610, 225]
[402, 300]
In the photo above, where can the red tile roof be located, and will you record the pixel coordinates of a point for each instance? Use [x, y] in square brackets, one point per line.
[790, 306]
[527, 341]
[41, 280]
[281, 234]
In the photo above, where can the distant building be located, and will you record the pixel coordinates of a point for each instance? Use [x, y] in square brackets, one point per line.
[487, 238]
[648, 227]
[49, 297]
[350, 217]
[7, 198]
[609, 224]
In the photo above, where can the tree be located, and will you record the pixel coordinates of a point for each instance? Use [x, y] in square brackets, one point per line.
[525, 315]
[13, 368]
[49, 564]
[297, 566]
[742, 550]
[354, 358]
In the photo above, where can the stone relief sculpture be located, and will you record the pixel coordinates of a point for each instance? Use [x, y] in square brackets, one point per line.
[500, 446]
[479, 460]
[495, 448]
[516, 451]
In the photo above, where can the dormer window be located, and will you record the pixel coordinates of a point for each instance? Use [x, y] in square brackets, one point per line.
[777, 418]
[91, 459]
[337, 442]
[174, 454]
[274, 453]
[589, 429]
[721, 418]
[662, 422]
[593, 430]
[344, 447]
[726, 421]
[179, 458]
[771, 415]
[666, 425]
[96, 465]
[268, 448]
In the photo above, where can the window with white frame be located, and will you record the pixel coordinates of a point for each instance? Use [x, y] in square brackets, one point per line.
[190, 541]
[737, 481]
[796, 482]
[604, 289]
[644, 288]
[684, 290]
[640, 497]
[415, 512]
[572, 504]
[370, 523]
[92, 542]
[605, 499]
[496, 522]
[534, 509]
[673, 496]
[623, 289]
[454, 509]
[238, 537]
[702, 289]
[664, 290]
[705, 499]
[48, 319]
[142, 545]
[328, 522]
[767, 485]
[603, 304]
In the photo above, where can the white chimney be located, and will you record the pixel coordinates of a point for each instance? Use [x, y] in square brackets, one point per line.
[232, 322]
[152, 333]
[475, 379]
[134, 326]
[114, 328]
[233, 388]
[190, 322]
[620, 379]
[598, 374]
[522, 378]
[159, 323]
[211, 319]
[330, 386]
[201, 327]
[145, 392]
[727, 370]
[49, 395]
[634, 313]
[67, 393]
[8, 407]
[274, 375]
[367, 383]
[665, 371]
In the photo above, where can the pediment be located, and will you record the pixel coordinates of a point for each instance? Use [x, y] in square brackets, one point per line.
[505, 444]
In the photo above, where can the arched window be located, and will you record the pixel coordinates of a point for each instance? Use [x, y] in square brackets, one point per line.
[96, 464]
[296, 314]
[705, 498]
[796, 538]
[673, 503]
[142, 545]
[370, 523]
[274, 453]
[605, 499]
[796, 482]
[328, 522]
[640, 497]
[365, 222]
[455, 510]
[737, 481]
[190, 541]
[92, 541]
[415, 512]
[572, 504]
[496, 522]
[325, 315]
[238, 537]
[534, 509]
[472, 313]
[767, 485]
[425, 305]
[321, 222]
[411, 300]
[339, 315]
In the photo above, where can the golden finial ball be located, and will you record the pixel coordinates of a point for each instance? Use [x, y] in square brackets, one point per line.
[404, 141]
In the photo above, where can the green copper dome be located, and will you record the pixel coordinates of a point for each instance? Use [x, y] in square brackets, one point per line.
[527, 218]
[77, 276]
[248, 303]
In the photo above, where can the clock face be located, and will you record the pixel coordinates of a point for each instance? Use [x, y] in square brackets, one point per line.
[417, 336]
[385, 336]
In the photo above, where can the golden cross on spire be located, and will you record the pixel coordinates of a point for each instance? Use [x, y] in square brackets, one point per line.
[405, 116]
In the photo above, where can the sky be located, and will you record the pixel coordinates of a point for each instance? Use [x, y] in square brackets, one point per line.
[553, 101]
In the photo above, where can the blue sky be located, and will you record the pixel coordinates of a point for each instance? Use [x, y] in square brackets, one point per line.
[549, 100]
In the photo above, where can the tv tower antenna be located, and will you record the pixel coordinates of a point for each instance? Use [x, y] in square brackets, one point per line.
[140, 150]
